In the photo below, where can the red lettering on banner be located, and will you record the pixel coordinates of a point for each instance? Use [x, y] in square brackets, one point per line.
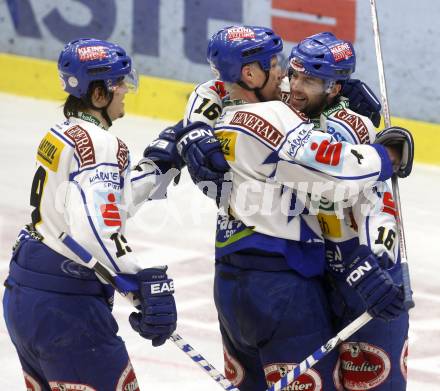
[83, 145]
[327, 153]
[122, 155]
[388, 204]
[110, 212]
[258, 126]
[294, 28]
[355, 122]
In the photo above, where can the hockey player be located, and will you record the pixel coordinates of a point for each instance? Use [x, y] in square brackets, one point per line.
[374, 358]
[267, 257]
[58, 314]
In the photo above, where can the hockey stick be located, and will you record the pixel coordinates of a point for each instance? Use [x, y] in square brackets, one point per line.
[124, 287]
[408, 300]
[325, 349]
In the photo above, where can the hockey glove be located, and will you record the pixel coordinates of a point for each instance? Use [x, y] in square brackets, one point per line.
[158, 315]
[362, 100]
[202, 153]
[401, 140]
[381, 295]
[163, 150]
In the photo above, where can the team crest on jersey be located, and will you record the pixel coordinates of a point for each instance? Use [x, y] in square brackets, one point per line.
[309, 381]
[227, 141]
[361, 366]
[122, 155]
[234, 371]
[91, 53]
[127, 380]
[239, 33]
[403, 360]
[219, 88]
[341, 51]
[257, 125]
[49, 151]
[63, 386]
[356, 124]
[83, 145]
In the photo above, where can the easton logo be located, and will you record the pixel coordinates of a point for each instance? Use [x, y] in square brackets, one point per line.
[83, 145]
[258, 126]
[341, 52]
[355, 122]
[358, 273]
[122, 156]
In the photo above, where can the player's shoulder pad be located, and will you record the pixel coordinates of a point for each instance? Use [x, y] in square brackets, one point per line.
[346, 125]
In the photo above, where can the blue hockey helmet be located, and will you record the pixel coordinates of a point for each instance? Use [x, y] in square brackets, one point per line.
[235, 46]
[324, 56]
[85, 60]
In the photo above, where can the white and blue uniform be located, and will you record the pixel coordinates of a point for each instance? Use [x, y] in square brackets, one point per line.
[268, 318]
[83, 186]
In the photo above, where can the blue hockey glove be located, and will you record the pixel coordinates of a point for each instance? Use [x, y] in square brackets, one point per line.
[158, 315]
[163, 150]
[382, 297]
[401, 140]
[362, 100]
[203, 155]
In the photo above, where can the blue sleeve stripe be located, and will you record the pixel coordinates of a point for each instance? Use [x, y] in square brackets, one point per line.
[74, 174]
[367, 231]
[386, 167]
[142, 176]
[67, 141]
[98, 238]
[194, 102]
[373, 174]
[355, 139]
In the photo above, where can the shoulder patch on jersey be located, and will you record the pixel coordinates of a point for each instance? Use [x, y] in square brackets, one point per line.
[257, 125]
[122, 155]
[219, 88]
[49, 151]
[355, 122]
[83, 145]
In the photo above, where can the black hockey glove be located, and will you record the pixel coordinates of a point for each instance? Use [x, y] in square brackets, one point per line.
[202, 153]
[158, 315]
[401, 140]
[163, 150]
[381, 295]
[362, 100]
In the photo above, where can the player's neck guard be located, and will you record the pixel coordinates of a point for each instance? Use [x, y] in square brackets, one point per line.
[90, 118]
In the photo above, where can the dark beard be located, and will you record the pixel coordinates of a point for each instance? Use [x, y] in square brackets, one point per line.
[315, 110]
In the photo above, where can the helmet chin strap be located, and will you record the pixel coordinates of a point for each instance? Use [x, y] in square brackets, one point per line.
[257, 90]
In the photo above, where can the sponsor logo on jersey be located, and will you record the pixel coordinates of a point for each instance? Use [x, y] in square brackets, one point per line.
[110, 212]
[404, 359]
[362, 366]
[49, 151]
[388, 204]
[122, 155]
[355, 122]
[234, 371]
[297, 140]
[357, 155]
[91, 53]
[330, 225]
[327, 153]
[31, 383]
[111, 179]
[309, 381]
[83, 145]
[341, 51]
[127, 381]
[219, 88]
[258, 126]
[227, 141]
[63, 386]
[239, 33]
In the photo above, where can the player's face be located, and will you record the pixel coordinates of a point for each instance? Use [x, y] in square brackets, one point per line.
[272, 90]
[116, 108]
[307, 93]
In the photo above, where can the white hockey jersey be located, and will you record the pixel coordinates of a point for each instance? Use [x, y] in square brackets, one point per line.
[84, 186]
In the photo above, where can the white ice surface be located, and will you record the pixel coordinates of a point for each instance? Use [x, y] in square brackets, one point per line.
[179, 232]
